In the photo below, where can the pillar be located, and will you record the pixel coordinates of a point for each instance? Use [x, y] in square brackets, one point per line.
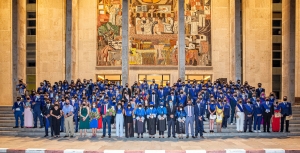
[288, 49]
[69, 40]
[125, 63]
[297, 51]
[50, 40]
[6, 78]
[257, 43]
[74, 40]
[181, 40]
[237, 71]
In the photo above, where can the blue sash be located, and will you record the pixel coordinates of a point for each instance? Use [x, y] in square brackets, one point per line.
[248, 108]
[240, 108]
[266, 106]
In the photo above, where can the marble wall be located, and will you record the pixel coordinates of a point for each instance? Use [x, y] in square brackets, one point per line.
[257, 43]
[297, 51]
[6, 86]
[50, 40]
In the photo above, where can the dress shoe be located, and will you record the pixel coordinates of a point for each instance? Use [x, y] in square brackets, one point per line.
[202, 137]
[193, 137]
[15, 127]
[204, 131]
[46, 136]
[287, 131]
[268, 131]
[109, 136]
[41, 127]
[103, 136]
[168, 136]
[251, 131]
[174, 136]
[141, 136]
[66, 136]
[187, 137]
[72, 136]
[22, 126]
[35, 127]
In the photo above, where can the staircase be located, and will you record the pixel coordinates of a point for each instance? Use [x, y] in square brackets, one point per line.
[7, 121]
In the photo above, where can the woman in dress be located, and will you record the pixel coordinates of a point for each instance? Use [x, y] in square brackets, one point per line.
[276, 117]
[180, 123]
[151, 115]
[56, 114]
[219, 112]
[161, 122]
[119, 120]
[28, 116]
[84, 118]
[99, 109]
[129, 121]
[140, 117]
[212, 116]
[94, 121]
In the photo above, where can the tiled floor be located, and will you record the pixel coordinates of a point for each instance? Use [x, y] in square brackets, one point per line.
[149, 144]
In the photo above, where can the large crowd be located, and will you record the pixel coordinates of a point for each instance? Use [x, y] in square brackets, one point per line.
[178, 109]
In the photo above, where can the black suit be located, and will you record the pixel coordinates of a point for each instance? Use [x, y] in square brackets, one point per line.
[46, 111]
[171, 121]
[128, 91]
[259, 91]
[267, 118]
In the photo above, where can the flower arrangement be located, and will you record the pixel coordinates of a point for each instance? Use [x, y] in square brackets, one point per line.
[94, 115]
[111, 112]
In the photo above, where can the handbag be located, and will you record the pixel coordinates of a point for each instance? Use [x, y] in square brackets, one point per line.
[212, 117]
[277, 115]
[289, 117]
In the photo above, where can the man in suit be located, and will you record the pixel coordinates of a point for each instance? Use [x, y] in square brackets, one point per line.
[161, 93]
[167, 90]
[127, 90]
[154, 98]
[286, 110]
[267, 114]
[46, 113]
[172, 98]
[182, 98]
[193, 94]
[171, 110]
[257, 108]
[106, 117]
[199, 110]
[153, 86]
[184, 88]
[259, 90]
[233, 102]
[189, 120]
[248, 110]
[18, 110]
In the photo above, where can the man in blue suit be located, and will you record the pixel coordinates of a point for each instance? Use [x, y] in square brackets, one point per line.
[193, 94]
[167, 90]
[182, 98]
[36, 106]
[172, 98]
[106, 117]
[248, 110]
[233, 102]
[153, 86]
[18, 110]
[286, 110]
[257, 113]
[259, 90]
[47, 118]
[199, 110]
[154, 98]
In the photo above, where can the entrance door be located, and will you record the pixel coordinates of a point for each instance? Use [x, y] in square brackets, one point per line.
[160, 79]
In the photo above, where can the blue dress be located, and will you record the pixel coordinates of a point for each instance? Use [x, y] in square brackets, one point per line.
[94, 122]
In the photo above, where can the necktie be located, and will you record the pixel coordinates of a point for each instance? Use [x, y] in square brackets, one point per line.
[199, 108]
[105, 109]
[153, 99]
[189, 110]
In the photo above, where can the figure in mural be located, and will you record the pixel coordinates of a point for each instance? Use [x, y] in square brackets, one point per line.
[147, 26]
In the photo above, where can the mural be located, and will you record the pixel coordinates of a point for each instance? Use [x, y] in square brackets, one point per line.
[153, 32]
[197, 32]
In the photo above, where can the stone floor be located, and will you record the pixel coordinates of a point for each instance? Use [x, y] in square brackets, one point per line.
[286, 143]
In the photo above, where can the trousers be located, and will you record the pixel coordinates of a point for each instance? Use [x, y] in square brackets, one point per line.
[119, 125]
[69, 125]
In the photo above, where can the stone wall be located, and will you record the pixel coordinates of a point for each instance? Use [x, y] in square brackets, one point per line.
[297, 51]
[6, 87]
[257, 43]
[50, 40]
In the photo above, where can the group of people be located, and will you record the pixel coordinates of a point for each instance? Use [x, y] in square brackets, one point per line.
[180, 108]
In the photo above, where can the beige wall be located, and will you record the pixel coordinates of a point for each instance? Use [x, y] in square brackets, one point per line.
[257, 43]
[297, 49]
[220, 27]
[50, 40]
[22, 39]
[6, 88]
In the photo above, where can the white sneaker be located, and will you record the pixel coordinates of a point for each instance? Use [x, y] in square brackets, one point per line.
[231, 123]
[255, 131]
[259, 131]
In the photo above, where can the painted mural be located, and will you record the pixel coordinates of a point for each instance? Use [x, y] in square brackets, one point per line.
[153, 32]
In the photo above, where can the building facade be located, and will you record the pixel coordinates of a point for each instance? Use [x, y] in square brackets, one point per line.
[121, 40]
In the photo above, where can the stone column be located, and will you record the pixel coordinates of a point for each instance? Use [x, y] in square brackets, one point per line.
[74, 40]
[297, 51]
[181, 41]
[50, 40]
[125, 64]
[288, 49]
[15, 54]
[257, 43]
[237, 41]
[6, 78]
[69, 40]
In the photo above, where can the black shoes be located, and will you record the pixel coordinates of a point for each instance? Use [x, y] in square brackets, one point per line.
[187, 137]
[193, 137]
[66, 136]
[46, 136]
[109, 136]
[15, 127]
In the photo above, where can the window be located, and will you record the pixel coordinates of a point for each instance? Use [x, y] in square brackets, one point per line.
[31, 23]
[110, 77]
[30, 31]
[198, 78]
[30, 81]
[276, 63]
[160, 79]
[276, 84]
[276, 23]
[30, 63]
[30, 55]
[276, 32]
[31, 15]
[276, 1]
[276, 55]
[31, 1]
[30, 46]
[276, 46]
[277, 15]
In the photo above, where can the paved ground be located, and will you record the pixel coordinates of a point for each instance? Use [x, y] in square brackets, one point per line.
[286, 143]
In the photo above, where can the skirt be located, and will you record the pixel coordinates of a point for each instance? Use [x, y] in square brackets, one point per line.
[276, 122]
[128, 119]
[99, 120]
[161, 125]
[28, 118]
[151, 126]
[180, 127]
[139, 126]
[94, 123]
[129, 132]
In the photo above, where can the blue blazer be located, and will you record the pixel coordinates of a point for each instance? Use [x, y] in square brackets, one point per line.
[257, 109]
[286, 109]
[20, 106]
[201, 112]
[102, 108]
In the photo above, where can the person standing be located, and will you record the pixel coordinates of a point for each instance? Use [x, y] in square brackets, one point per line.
[36, 107]
[47, 117]
[106, 117]
[84, 118]
[233, 102]
[199, 116]
[267, 114]
[171, 111]
[257, 113]
[180, 125]
[119, 120]
[151, 115]
[75, 104]
[226, 113]
[240, 116]
[161, 119]
[99, 111]
[129, 121]
[219, 114]
[56, 114]
[276, 117]
[248, 109]
[189, 120]
[68, 117]
[18, 110]
[28, 117]
[62, 120]
[94, 121]
[140, 117]
[212, 116]
[286, 112]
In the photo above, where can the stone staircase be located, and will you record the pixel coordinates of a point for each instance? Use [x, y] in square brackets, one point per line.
[7, 122]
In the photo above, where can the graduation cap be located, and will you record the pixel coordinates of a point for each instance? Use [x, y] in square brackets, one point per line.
[151, 103]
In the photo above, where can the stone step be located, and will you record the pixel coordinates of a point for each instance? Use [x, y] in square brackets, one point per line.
[7, 115]
[9, 129]
[7, 118]
[6, 112]
[8, 133]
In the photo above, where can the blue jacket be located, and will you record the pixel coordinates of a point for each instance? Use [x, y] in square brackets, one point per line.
[161, 111]
[202, 110]
[248, 110]
[257, 109]
[140, 112]
[18, 107]
[286, 109]
[180, 114]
